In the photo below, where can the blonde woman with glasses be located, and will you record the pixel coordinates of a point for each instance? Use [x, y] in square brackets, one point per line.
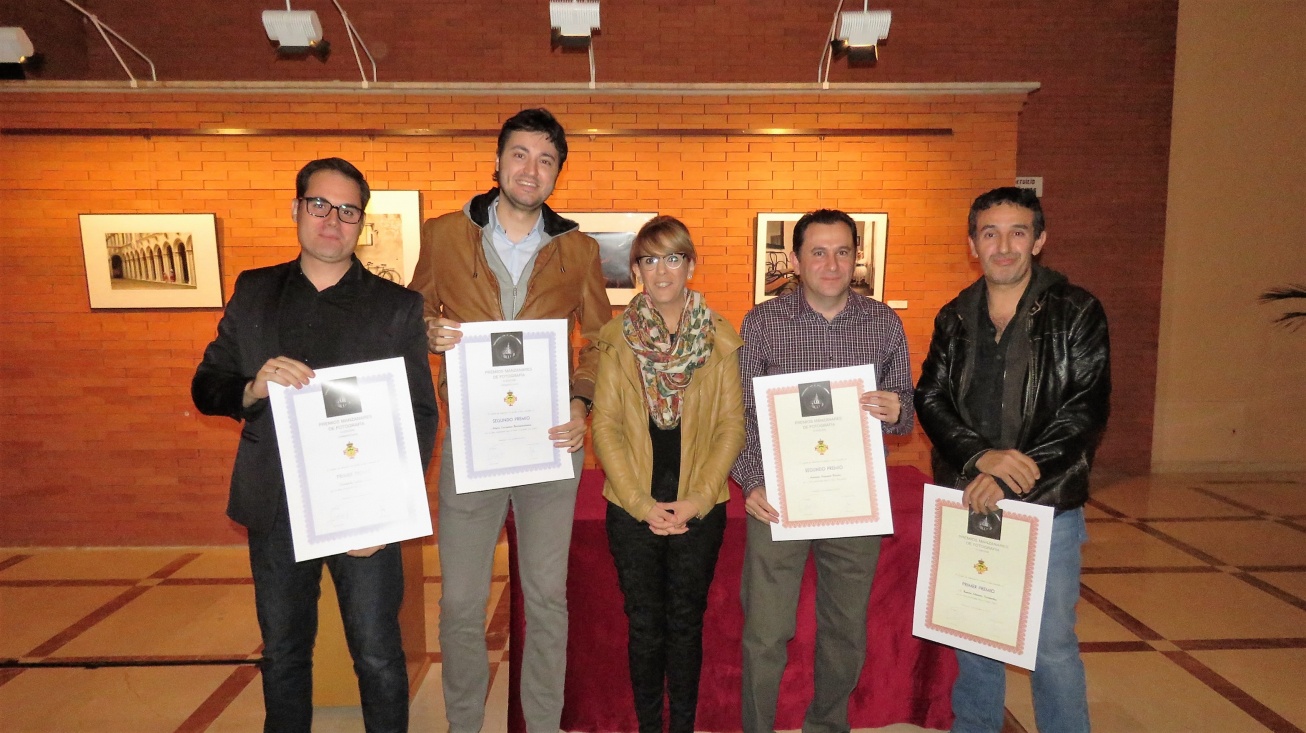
[668, 423]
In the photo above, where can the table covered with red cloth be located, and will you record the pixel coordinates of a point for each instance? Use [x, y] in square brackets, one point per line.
[904, 680]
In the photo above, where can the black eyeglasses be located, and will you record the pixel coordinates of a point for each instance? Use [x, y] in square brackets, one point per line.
[321, 208]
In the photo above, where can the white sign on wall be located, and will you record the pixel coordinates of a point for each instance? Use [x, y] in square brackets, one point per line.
[1034, 182]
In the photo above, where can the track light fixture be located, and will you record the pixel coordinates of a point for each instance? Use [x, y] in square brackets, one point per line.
[15, 46]
[573, 22]
[299, 32]
[294, 31]
[856, 33]
[860, 32]
[16, 53]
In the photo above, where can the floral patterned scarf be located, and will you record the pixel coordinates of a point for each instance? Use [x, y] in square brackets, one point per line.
[667, 360]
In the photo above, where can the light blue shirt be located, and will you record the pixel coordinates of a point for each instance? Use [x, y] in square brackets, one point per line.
[514, 255]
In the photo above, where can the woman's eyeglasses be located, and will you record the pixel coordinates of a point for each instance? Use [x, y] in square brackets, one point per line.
[673, 261]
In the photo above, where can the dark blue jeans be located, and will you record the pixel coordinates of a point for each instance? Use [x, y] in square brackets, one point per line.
[369, 591]
[1058, 680]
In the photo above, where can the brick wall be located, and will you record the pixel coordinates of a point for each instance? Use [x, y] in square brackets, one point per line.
[103, 445]
[1098, 130]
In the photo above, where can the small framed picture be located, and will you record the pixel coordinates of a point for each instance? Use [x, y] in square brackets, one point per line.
[392, 235]
[776, 273]
[615, 232]
[151, 260]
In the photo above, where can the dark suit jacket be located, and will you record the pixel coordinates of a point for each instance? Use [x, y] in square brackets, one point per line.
[386, 322]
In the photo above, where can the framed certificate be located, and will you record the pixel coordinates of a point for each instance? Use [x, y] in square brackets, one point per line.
[822, 454]
[982, 576]
[349, 456]
[507, 386]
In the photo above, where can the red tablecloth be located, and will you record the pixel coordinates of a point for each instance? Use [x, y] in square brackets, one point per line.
[905, 679]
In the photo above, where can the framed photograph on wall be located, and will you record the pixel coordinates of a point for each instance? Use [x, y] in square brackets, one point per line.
[775, 251]
[392, 235]
[151, 260]
[615, 233]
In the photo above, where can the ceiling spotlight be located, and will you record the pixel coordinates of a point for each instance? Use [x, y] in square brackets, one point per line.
[15, 46]
[295, 31]
[860, 32]
[573, 22]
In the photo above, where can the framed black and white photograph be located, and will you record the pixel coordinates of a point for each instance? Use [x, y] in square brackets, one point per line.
[615, 233]
[151, 260]
[392, 235]
[776, 273]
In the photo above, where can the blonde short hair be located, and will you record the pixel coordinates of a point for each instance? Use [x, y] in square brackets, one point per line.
[661, 236]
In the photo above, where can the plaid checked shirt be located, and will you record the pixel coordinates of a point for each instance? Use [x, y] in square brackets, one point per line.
[785, 335]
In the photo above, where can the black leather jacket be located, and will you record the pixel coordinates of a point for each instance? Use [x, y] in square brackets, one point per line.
[1066, 394]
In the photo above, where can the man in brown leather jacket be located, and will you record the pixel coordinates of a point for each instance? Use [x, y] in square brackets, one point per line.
[1014, 395]
[506, 256]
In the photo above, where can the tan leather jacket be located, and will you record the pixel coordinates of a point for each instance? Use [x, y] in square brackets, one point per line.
[712, 424]
[567, 282]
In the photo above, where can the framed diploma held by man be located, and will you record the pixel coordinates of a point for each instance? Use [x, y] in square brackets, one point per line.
[350, 459]
[822, 454]
[507, 386]
[982, 576]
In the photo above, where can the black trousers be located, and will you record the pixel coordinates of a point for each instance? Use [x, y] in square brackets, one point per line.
[665, 581]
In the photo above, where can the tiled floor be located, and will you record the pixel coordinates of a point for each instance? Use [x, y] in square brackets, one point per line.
[1193, 618]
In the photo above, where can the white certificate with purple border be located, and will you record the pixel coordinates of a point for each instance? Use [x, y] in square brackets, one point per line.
[507, 386]
[350, 459]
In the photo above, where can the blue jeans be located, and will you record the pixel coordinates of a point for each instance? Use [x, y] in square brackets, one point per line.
[1059, 687]
[285, 594]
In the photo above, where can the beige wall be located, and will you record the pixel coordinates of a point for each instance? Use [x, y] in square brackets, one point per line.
[1231, 386]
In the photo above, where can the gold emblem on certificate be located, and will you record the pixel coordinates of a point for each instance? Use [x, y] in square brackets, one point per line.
[510, 399]
[350, 450]
[981, 568]
[821, 447]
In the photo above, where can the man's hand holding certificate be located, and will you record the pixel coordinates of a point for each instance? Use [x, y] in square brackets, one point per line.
[350, 459]
[823, 455]
[982, 576]
[507, 388]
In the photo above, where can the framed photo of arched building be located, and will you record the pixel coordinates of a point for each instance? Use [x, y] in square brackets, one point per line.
[151, 260]
[775, 272]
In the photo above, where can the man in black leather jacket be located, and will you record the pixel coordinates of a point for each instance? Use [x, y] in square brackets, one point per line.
[1014, 395]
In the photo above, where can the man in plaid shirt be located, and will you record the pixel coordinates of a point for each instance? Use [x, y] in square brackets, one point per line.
[822, 325]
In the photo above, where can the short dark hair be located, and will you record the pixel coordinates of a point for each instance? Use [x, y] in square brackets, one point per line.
[535, 120]
[339, 165]
[1022, 197]
[822, 216]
